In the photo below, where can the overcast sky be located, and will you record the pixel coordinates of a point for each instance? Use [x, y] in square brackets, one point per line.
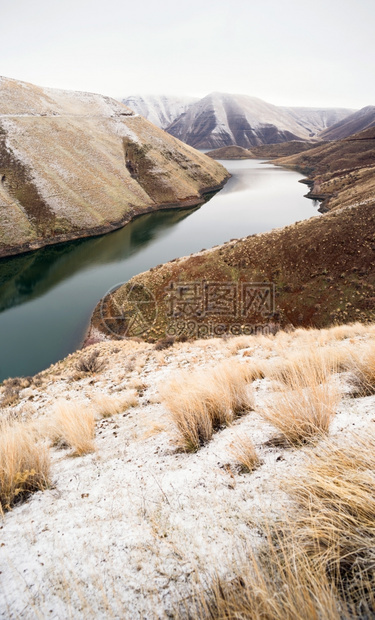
[292, 52]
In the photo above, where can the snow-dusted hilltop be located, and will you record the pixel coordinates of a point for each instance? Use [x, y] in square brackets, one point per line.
[76, 164]
[221, 119]
[360, 120]
[161, 110]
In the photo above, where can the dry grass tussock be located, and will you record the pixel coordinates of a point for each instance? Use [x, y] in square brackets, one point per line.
[24, 464]
[335, 518]
[363, 368]
[305, 406]
[106, 406]
[270, 585]
[317, 564]
[310, 364]
[201, 402]
[243, 450]
[72, 425]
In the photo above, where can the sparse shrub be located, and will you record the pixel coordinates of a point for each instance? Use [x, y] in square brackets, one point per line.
[12, 388]
[24, 464]
[201, 402]
[243, 450]
[72, 425]
[90, 364]
[164, 343]
[107, 406]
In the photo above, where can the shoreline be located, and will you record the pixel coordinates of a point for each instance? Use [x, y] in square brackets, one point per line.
[185, 203]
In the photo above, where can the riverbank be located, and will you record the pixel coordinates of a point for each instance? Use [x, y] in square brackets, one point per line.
[47, 296]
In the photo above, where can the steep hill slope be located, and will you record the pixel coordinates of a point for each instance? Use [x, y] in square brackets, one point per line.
[316, 120]
[161, 110]
[77, 164]
[341, 173]
[312, 273]
[360, 120]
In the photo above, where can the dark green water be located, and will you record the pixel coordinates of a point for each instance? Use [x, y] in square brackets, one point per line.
[47, 296]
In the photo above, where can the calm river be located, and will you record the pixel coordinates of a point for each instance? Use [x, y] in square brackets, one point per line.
[47, 296]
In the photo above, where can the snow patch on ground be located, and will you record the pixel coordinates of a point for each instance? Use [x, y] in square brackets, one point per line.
[121, 531]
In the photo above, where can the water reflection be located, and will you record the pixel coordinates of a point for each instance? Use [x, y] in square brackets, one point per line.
[26, 277]
[47, 296]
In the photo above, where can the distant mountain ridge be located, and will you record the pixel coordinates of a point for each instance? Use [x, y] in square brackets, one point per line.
[360, 120]
[161, 110]
[222, 119]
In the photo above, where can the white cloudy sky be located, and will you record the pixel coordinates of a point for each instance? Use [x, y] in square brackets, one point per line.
[292, 52]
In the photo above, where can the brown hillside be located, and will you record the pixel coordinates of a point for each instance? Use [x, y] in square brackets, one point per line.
[323, 270]
[266, 151]
[352, 124]
[342, 173]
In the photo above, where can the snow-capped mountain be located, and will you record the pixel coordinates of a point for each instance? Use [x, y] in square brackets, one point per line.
[161, 110]
[221, 119]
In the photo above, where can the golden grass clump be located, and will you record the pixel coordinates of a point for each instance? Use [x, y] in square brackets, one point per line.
[335, 518]
[200, 402]
[243, 450]
[24, 464]
[302, 368]
[319, 562]
[269, 584]
[306, 404]
[106, 406]
[73, 425]
[363, 369]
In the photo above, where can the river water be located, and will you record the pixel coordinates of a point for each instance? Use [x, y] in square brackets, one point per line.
[47, 296]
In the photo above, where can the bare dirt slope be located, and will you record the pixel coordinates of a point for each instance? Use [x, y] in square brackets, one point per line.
[77, 164]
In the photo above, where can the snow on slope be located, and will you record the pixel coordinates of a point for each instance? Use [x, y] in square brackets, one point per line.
[360, 120]
[221, 119]
[316, 120]
[72, 165]
[161, 110]
[122, 531]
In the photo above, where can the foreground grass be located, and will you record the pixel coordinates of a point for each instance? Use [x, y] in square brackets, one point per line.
[24, 464]
[72, 425]
[201, 402]
[319, 563]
